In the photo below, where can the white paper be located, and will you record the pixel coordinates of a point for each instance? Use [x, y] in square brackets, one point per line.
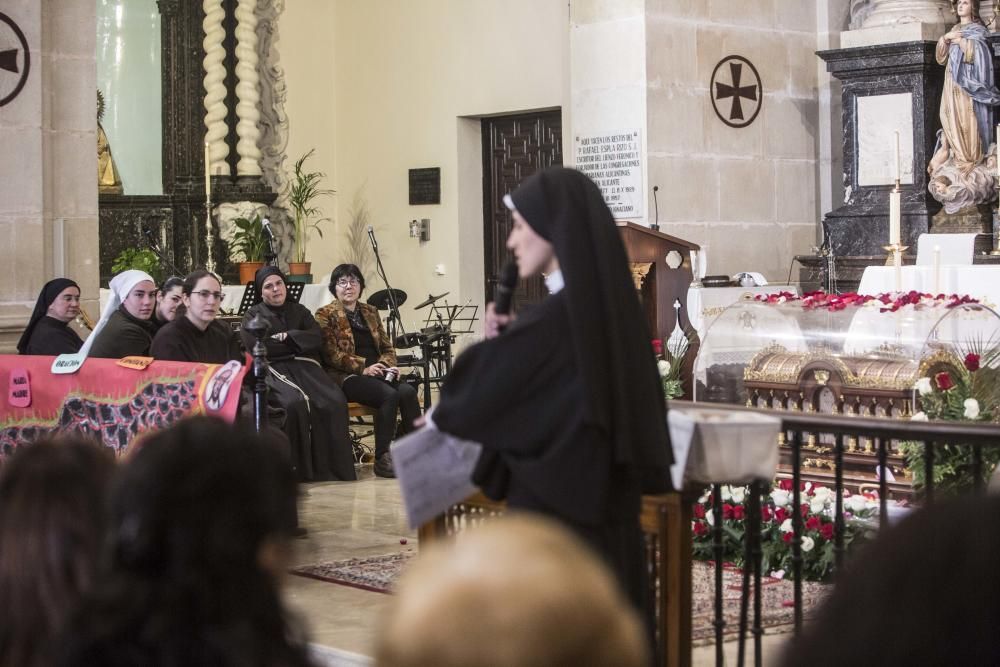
[434, 470]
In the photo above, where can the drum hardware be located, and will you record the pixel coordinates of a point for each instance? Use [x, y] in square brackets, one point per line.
[430, 299]
[381, 300]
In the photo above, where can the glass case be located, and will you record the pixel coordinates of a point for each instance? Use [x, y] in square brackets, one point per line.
[853, 356]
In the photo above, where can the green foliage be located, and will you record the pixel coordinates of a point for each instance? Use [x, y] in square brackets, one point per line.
[141, 259]
[247, 240]
[305, 188]
[952, 466]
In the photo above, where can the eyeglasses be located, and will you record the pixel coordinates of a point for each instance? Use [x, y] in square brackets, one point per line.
[348, 282]
[204, 294]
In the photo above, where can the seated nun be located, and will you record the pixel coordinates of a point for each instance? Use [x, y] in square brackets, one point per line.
[315, 407]
[168, 298]
[197, 335]
[125, 328]
[48, 331]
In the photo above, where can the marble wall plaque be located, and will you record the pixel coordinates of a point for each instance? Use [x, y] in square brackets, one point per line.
[879, 117]
[614, 161]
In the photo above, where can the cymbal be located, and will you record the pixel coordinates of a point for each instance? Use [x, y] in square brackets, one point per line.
[430, 299]
[380, 299]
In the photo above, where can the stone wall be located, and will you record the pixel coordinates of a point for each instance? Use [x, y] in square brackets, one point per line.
[48, 191]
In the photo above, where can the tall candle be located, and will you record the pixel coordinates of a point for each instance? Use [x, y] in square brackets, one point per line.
[208, 174]
[897, 157]
[894, 215]
[937, 270]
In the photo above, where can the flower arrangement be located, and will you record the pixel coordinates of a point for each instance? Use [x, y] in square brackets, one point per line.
[669, 366]
[817, 510]
[887, 302]
[968, 393]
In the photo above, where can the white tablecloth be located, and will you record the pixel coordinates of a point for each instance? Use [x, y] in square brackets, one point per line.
[980, 281]
[313, 297]
[706, 303]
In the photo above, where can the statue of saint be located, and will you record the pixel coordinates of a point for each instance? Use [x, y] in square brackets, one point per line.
[963, 168]
[108, 181]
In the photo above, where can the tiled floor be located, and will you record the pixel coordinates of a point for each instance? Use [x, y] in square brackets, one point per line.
[366, 518]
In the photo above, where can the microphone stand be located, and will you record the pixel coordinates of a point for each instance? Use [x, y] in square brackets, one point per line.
[155, 247]
[270, 257]
[395, 319]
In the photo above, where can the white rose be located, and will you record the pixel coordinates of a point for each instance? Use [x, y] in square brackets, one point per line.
[663, 366]
[923, 386]
[808, 487]
[817, 505]
[971, 408]
[823, 493]
[919, 417]
[710, 517]
[780, 498]
[807, 543]
[738, 494]
[727, 494]
[786, 526]
[856, 503]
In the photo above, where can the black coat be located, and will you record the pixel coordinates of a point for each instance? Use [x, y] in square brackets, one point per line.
[181, 340]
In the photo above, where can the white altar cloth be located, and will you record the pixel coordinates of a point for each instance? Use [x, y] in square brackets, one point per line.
[980, 281]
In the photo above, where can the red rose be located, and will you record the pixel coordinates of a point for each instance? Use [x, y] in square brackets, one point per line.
[780, 514]
[943, 381]
[805, 510]
[813, 523]
[765, 513]
[788, 537]
[826, 531]
[727, 511]
[972, 361]
[657, 347]
[785, 485]
[738, 512]
[700, 528]
[699, 511]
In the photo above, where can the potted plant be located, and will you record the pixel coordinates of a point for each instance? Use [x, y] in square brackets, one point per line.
[141, 259]
[305, 189]
[247, 241]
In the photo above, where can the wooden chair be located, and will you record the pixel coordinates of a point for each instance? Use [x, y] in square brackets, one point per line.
[356, 412]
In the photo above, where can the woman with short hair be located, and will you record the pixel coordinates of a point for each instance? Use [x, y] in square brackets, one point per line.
[359, 354]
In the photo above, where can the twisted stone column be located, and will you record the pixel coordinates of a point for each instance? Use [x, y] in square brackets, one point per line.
[247, 92]
[215, 88]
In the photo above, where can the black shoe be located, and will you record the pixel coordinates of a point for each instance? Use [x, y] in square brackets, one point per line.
[383, 466]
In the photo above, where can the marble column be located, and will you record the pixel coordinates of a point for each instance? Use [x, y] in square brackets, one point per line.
[247, 90]
[215, 88]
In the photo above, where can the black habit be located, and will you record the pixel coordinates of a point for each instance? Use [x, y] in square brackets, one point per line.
[54, 337]
[567, 401]
[317, 426]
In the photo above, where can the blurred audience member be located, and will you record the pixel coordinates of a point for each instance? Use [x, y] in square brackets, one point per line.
[52, 497]
[198, 543]
[520, 591]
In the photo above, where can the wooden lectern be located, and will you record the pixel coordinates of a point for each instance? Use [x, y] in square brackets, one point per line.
[657, 283]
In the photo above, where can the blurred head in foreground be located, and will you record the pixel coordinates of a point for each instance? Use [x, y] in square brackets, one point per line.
[518, 591]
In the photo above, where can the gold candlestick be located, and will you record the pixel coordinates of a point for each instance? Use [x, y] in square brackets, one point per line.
[895, 258]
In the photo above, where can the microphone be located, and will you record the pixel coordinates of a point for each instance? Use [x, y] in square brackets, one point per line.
[150, 238]
[266, 226]
[656, 207]
[371, 237]
[505, 289]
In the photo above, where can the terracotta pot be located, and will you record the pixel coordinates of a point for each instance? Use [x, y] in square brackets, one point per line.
[298, 268]
[247, 271]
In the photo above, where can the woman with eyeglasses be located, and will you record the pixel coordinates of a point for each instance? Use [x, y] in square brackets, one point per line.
[198, 336]
[361, 359]
[315, 407]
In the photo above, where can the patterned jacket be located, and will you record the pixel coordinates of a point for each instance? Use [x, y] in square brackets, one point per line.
[339, 356]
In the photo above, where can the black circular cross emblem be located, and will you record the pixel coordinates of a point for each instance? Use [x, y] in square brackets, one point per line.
[736, 91]
[14, 59]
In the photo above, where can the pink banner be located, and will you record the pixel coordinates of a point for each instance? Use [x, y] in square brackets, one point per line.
[106, 400]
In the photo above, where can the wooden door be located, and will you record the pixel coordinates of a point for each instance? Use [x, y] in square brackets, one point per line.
[514, 147]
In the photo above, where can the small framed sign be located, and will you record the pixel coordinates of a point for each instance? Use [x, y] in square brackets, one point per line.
[425, 186]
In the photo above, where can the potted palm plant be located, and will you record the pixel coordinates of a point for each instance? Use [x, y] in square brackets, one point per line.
[248, 244]
[304, 191]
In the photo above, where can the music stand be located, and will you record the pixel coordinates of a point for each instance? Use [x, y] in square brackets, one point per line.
[293, 292]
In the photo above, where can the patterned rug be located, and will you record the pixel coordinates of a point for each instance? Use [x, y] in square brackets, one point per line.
[377, 573]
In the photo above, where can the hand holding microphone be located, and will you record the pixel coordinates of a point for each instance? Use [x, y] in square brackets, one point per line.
[498, 312]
